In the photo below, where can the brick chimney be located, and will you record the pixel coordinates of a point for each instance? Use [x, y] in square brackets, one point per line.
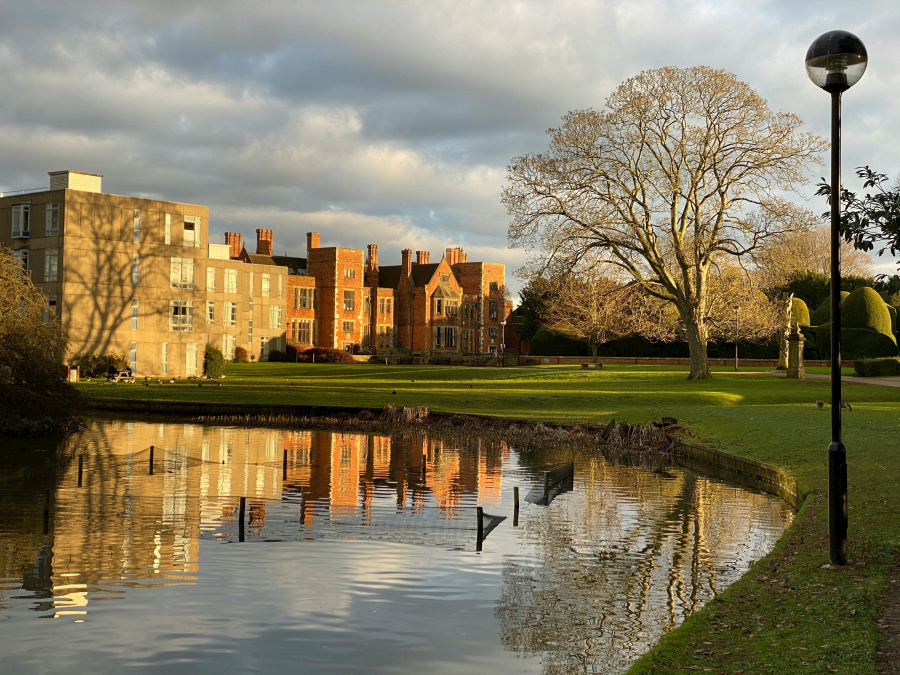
[233, 240]
[423, 257]
[312, 241]
[463, 256]
[372, 257]
[264, 242]
[406, 264]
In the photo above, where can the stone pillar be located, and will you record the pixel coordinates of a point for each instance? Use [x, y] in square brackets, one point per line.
[795, 355]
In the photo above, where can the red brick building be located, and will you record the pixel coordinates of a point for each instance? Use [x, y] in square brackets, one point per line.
[338, 298]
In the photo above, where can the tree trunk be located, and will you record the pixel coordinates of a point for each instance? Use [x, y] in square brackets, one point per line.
[697, 339]
[594, 346]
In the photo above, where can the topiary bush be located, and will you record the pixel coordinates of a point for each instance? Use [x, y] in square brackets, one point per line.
[857, 343]
[799, 312]
[864, 308]
[213, 361]
[823, 311]
[324, 355]
[877, 367]
[893, 312]
[97, 365]
[240, 356]
[276, 355]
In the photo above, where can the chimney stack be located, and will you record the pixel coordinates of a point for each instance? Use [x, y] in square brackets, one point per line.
[423, 257]
[264, 242]
[373, 256]
[406, 265]
[312, 241]
[233, 239]
[463, 257]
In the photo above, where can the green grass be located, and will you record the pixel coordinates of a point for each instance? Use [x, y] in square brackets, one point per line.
[789, 614]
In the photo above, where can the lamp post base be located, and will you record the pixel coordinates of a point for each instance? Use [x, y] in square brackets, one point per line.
[837, 503]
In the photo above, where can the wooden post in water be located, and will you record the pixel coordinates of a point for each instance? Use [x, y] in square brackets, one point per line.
[547, 487]
[241, 519]
[480, 513]
[284, 466]
[80, 468]
[151, 460]
[516, 506]
[46, 529]
[424, 466]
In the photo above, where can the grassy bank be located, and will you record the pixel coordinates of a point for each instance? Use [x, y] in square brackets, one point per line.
[791, 613]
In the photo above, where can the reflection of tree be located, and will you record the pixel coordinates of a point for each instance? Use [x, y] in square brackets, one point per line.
[622, 560]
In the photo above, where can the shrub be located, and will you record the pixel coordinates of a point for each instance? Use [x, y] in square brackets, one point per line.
[799, 312]
[290, 353]
[864, 308]
[893, 312]
[276, 355]
[98, 365]
[324, 355]
[877, 367]
[240, 356]
[823, 311]
[213, 361]
[547, 343]
[857, 343]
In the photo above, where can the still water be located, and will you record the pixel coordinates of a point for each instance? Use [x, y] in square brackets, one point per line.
[359, 554]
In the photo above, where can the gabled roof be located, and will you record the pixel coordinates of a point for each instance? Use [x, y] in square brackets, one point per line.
[389, 276]
[422, 274]
[445, 291]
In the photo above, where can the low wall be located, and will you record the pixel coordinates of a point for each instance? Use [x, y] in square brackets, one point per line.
[652, 361]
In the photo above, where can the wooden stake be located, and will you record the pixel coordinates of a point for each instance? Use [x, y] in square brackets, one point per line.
[241, 519]
[547, 487]
[80, 468]
[284, 466]
[46, 529]
[516, 506]
[151, 460]
[480, 513]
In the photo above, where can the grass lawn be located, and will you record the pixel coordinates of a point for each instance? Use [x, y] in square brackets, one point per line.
[790, 613]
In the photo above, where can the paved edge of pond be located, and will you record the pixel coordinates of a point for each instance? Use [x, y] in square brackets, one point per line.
[741, 470]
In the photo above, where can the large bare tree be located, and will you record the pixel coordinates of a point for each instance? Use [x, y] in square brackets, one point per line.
[686, 166]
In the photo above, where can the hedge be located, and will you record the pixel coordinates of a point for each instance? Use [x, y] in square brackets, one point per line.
[864, 308]
[213, 361]
[823, 311]
[856, 343]
[97, 365]
[799, 312]
[877, 367]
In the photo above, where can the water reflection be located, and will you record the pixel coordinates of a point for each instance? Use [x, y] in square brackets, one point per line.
[585, 584]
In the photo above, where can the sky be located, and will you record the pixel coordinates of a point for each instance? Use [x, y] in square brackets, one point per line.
[386, 122]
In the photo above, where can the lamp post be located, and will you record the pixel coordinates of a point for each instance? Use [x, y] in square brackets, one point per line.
[835, 62]
[737, 334]
[502, 341]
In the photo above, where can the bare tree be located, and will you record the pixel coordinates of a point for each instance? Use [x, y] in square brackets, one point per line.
[685, 167]
[592, 308]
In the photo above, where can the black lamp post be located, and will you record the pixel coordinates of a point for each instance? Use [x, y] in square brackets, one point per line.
[835, 62]
[737, 334]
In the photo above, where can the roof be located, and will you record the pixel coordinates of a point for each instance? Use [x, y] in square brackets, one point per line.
[389, 276]
[294, 265]
[422, 274]
[445, 291]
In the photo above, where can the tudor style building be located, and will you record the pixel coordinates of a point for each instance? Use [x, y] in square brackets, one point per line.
[139, 277]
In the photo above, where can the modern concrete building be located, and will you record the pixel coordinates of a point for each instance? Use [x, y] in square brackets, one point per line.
[139, 277]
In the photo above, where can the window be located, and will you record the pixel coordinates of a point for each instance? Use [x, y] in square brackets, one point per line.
[366, 339]
[492, 331]
[229, 314]
[495, 287]
[465, 310]
[449, 337]
[137, 226]
[302, 298]
[304, 334]
[349, 301]
[438, 335]
[445, 278]
[191, 232]
[181, 315]
[250, 333]
[134, 314]
[51, 225]
[228, 347]
[211, 279]
[231, 281]
[384, 305]
[266, 281]
[250, 291]
[280, 285]
[190, 359]
[452, 309]
[164, 359]
[263, 348]
[136, 269]
[438, 306]
[210, 312]
[492, 310]
[50, 311]
[181, 273]
[132, 358]
[21, 218]
[168, 228]
[385, 337]
[21, 257]
[349, 273]
[51, 264]
[348, 326]
[275, 316]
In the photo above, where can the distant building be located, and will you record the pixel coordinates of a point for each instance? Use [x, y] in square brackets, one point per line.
[139, 277]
